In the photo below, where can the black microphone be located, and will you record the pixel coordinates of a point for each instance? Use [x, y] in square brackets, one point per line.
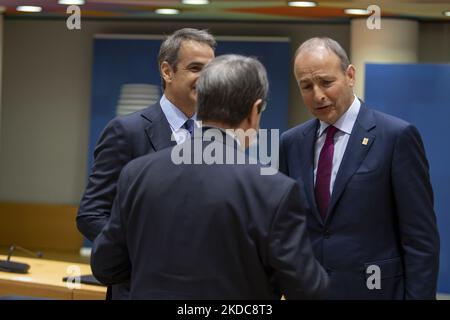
[17, 267]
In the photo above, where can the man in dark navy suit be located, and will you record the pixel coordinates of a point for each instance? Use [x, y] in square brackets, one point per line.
[181, 58]
[365, 174]
[214, 228]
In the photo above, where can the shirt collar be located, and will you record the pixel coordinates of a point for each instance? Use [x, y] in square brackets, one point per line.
[174, 116]
[227, 132]
[232, 135]
[346, 122]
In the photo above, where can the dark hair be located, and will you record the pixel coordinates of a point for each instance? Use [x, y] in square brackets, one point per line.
[228, 87]
[329, 44]
[171, 46]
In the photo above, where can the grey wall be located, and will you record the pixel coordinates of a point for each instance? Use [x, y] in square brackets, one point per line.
[46, 95]
[434, 42]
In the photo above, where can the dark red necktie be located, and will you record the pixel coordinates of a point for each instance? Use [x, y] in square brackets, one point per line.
[323, 175]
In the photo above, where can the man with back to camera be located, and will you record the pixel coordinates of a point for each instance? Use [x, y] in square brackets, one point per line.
[365, 173]
[181, 58]
[211, 231]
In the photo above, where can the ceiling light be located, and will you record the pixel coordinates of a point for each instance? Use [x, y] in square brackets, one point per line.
[359, 12]
[195, 2]
[72, 2]
[167, 11]
[303, 4]
[446, 13]
[29, 8]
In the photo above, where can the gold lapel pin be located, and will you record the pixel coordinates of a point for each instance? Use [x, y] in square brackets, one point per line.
[365, 141]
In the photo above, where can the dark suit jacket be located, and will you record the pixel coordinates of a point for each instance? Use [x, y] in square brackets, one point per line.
[381, 209]
[123, 139]
[198, 231]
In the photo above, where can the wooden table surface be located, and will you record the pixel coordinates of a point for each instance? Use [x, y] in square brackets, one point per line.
[44, 280]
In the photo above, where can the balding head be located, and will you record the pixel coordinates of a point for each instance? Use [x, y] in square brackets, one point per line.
[325, 78]
[324, 43]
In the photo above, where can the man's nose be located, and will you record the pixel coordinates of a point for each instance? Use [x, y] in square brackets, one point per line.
[319, 95]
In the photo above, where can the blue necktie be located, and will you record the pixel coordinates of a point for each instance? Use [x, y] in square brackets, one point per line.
[189, 126]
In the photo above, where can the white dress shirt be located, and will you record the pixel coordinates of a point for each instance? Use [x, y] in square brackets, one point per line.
[345, 125]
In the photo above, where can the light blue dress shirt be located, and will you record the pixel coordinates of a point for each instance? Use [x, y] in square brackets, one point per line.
[176, 119]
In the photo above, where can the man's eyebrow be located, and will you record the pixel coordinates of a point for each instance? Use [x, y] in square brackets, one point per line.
[318, 77]
[324, 76]
[195, 64]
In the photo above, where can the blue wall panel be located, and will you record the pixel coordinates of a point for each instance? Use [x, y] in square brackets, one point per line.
[420, 94]
[118, 61]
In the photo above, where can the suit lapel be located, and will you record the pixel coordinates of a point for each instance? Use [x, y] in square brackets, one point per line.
[158, 130]
[359, 143]
[306, 160]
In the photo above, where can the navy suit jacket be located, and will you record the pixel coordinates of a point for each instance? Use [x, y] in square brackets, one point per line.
[123, 139]
[380, 213]
[199, 231]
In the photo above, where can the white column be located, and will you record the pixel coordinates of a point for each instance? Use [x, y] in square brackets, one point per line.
[395, 42]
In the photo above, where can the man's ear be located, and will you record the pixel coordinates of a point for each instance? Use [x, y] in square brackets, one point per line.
[255, 114]
[350, 74]
[166, 72]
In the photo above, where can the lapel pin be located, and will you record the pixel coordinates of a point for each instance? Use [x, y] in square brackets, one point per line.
[365, 141]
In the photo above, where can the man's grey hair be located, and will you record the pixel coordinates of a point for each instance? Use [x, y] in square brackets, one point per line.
[228, 87]
[329, 44]
[171, 46]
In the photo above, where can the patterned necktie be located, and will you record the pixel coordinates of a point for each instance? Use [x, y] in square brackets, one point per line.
[189, 126]
[323, 175]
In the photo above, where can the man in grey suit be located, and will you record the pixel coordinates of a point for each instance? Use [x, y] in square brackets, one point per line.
[211, 229]
[365, 174]
[181, 58]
